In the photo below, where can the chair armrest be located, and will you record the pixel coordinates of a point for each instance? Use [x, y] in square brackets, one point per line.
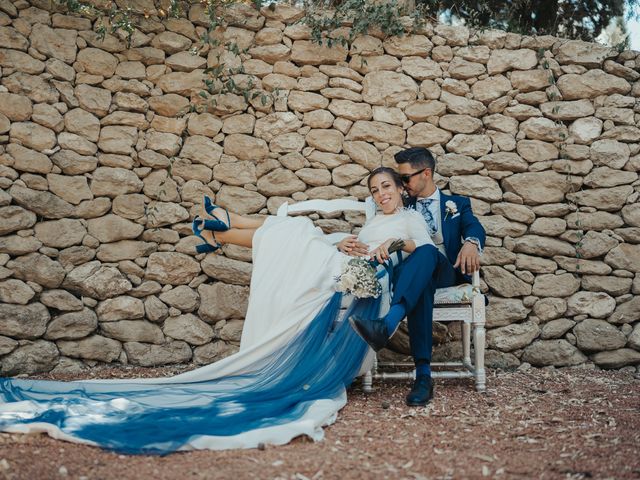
[475, 279]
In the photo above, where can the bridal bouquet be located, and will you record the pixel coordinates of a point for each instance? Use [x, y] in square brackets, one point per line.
[359, 278]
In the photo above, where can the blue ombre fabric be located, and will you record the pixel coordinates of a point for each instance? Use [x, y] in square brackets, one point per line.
[129, 417]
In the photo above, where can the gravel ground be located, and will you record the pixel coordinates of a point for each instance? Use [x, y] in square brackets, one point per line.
[544, 424]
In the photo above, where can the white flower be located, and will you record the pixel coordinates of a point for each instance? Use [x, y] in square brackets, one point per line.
[358, 277]
[450, 208]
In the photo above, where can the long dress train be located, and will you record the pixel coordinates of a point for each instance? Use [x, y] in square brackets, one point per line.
[289, 378]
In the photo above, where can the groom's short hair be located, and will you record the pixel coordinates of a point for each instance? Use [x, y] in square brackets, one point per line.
[417, 157]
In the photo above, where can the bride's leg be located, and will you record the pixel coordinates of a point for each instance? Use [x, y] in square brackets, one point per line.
[235, 220]
[236, 236]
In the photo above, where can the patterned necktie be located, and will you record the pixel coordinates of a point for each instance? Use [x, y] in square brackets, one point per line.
[424, 204]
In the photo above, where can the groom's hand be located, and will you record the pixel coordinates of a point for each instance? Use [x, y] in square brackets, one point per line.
[353, 247]
[468, 259]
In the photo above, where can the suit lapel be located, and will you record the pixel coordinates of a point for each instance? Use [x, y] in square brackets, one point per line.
[443, 222]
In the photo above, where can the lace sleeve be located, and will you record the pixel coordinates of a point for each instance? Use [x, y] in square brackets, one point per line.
[417, 227]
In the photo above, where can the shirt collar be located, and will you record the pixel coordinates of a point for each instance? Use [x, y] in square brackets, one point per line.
[435, 196]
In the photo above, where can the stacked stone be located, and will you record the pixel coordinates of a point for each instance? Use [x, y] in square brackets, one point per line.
[103, 163]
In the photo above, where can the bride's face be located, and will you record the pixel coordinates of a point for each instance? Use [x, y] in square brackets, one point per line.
[386, 194]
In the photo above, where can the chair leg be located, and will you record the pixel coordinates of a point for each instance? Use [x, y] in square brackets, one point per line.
[466, 345]
[367, 382]
[479, 346]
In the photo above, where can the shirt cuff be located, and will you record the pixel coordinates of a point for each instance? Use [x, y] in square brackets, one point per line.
[477, 243]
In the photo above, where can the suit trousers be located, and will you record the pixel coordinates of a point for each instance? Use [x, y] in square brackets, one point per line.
[425, 270]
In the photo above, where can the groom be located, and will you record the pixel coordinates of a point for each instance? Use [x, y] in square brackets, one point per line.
[459, 239]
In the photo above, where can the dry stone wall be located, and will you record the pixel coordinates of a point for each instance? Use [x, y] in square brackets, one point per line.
[103, 163]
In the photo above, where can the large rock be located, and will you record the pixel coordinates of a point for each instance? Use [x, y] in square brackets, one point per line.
[60, 233]
[72, 189]
[57, 43]
[97, 62]
[147, 355]
[29, 359]
[388, 88]
[124, 250]
[593, 304]
[588, 54]
[627, 312]
[585, 130]
[32, 135]
[171, 268]
[112, 228]
[616, 358]
[16, 108]
[326, 140]
[538, 187]
[61, 300]
[14, 218]
[504, 283]
[512, 337]
[551, 285]
[424, 134]
[491, 88]
[95, 347]
[227, 270]
[497, 225]
[183, 297]
[133, 331]
[471, 145]
[591, 84]
[188, 328]
[595, 244]
[376, 132]
[97, 281]
[221, 301]
[421, 68]
[463, 69]
[274, 124]
[94, 100]
[12, 38]
[476, 186]
[609, 199]
[240, 200]
[568, 110]
[112, 182]
[625, 256]
[503, 60]
[71, 326]
[245, 147]
[305, 52]
[23, 321]
[123, 307]
[38, 268]
[608, 177]
[540, 128]
[280, 182]
[15, 291]
[598, 335]
[505, 311]
[531, 80]
[201, 149]
[543, 246]
[559, 353]
[118, 139]
[20, 61]
[549, 308]
[556, 328]
[462, 106]
[42, 203]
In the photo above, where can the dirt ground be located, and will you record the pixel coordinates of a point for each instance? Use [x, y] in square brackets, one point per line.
[543, 424]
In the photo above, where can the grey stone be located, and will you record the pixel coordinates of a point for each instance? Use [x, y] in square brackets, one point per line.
[626, 312]
[154, 309]
[559, 353]
[15, 291]
[561, 285]
[61, 300]
[97, 281]
[593, 304]
[133, 331]
[512, 337]
[598, 335]
[188, 328]
[120, 308]
[220, 301]
[505, 311]
[61, 233]
[148, 355]
[95, 347]
[504, 283]
[23, 321]
[38, 268]
[171, 268]
[556, 328]
[616, 358]
[182, 297]
[549, 308]
[72, 325]
[37, 357]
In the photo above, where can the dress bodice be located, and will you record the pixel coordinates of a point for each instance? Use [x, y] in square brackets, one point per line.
[405, 224]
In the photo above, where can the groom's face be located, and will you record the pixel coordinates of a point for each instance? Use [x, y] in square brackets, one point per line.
[417, 179]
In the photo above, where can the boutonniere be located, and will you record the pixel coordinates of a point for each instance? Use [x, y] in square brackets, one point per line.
[450, 208]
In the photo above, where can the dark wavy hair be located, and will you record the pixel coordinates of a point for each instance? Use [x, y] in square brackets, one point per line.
[395, 176]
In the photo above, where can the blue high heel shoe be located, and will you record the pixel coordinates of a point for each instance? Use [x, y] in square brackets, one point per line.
[206, 247]
[214, 224]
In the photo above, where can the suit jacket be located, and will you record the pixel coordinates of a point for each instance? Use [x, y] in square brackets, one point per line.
[457, 225]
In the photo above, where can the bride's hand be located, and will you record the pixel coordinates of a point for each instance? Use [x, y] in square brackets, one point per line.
[353, 247]
[381, 254]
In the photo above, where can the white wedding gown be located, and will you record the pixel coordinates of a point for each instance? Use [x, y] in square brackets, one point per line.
[288, 379]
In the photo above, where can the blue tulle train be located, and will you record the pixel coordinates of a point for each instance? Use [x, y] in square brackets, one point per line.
[129, 417]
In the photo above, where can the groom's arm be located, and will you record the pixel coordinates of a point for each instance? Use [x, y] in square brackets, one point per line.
[472, 231]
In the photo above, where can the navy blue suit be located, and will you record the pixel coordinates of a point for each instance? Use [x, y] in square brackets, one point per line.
[426, 269]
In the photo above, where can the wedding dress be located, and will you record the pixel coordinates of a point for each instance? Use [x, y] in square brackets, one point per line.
[297, 356]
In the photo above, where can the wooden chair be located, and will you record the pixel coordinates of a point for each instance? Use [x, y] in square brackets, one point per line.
[462, 303]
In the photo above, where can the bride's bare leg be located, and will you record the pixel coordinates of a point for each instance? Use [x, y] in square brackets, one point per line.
[236, 236]
[237, 220]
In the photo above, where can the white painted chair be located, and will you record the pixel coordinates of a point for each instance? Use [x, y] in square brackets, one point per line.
[462, 303]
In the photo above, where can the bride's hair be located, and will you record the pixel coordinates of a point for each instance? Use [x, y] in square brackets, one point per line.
[395, 176]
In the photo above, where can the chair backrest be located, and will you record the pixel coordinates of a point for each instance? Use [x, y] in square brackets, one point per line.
[329, 206]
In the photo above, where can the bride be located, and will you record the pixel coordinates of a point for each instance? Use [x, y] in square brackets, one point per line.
[297, 353]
